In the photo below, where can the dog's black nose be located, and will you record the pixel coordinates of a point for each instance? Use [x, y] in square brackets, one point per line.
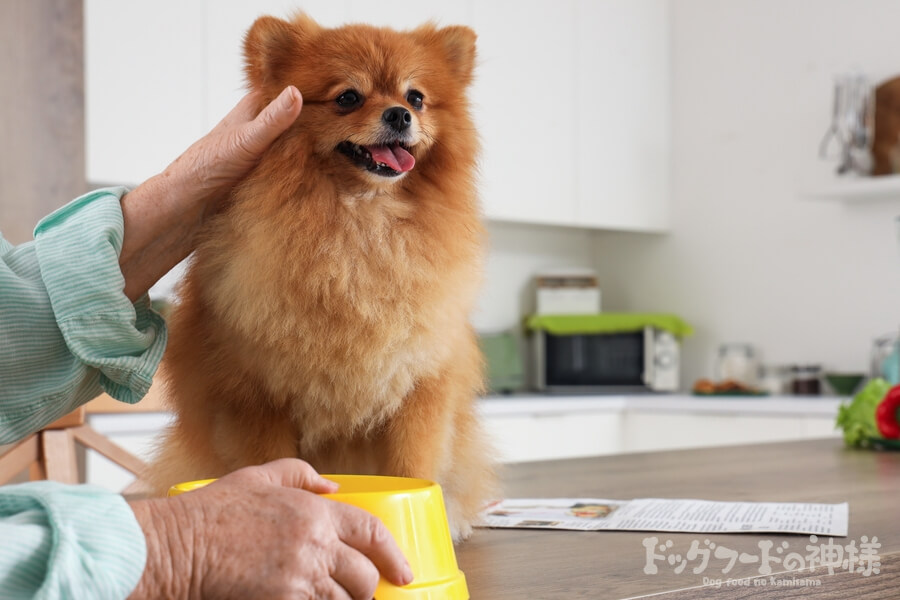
[398, 118]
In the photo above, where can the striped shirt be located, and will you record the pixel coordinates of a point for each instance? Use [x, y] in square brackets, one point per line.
[67, 332]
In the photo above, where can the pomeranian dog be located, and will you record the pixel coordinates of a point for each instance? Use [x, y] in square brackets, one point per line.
[325, 312]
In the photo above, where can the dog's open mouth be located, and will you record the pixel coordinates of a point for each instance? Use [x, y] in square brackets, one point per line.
[388, 161]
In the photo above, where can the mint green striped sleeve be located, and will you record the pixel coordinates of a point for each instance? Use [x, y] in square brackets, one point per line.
[61, 542]
[67, 331]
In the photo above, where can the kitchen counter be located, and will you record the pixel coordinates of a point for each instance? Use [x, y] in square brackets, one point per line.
[503, 564]
[542, 404]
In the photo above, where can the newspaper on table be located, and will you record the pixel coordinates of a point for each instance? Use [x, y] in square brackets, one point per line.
[658, 514]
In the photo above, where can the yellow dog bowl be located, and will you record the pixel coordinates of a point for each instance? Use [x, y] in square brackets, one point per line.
[413, 511]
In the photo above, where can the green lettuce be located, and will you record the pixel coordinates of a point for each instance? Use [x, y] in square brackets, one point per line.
[857, 418]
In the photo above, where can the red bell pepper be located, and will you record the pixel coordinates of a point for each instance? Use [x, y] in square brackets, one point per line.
[886, 414]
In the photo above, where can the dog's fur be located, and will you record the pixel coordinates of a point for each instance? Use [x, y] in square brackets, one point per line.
[325, 312]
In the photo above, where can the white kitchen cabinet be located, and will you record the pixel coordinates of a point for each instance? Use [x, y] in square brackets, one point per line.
[541, 427]
[623, 99]
[573, 103]
[520, 438]
[516, 438]
[159, 75]
[524, 104]
[571, 97]
[145, 73]
[526, 428]
[643, 432]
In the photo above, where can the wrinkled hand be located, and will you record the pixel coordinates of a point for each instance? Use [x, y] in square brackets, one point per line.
[163, 214]
[216, 162]
[263, 532]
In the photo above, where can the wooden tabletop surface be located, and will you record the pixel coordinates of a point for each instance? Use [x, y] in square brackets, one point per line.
[547, 565]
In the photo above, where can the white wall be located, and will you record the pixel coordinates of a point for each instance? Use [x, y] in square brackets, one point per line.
[748, 259]
[515, 253]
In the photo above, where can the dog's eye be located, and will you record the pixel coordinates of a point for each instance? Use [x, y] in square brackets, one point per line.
[415, 98]
[349, 99]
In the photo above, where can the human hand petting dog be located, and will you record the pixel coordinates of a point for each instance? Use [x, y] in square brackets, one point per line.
[163, 213]
[263, 532]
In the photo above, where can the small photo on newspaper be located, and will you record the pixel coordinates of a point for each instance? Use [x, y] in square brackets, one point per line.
[674, 515]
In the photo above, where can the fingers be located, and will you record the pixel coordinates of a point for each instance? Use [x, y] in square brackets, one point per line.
[355, 573]
[288, 472]
[295, 473]
[273, 120]
[362, 531]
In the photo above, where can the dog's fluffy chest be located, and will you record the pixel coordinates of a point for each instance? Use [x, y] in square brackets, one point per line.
[339, 322]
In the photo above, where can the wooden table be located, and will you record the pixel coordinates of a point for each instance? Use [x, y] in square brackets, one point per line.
[549, 565]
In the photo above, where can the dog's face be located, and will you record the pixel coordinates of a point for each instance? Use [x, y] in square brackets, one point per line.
[376, 101]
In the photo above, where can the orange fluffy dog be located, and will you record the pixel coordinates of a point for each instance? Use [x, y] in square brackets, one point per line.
[325, 313]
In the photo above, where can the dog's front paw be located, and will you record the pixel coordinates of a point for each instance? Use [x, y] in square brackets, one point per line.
[460, 526]
[460, 531]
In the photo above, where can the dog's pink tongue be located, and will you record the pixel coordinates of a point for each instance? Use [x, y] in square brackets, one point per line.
[396, 157]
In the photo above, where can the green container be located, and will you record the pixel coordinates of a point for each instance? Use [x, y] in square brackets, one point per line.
[844, 384]
[505, 371]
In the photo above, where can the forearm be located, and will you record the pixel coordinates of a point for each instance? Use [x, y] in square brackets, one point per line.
[170, 568]
[160, 228]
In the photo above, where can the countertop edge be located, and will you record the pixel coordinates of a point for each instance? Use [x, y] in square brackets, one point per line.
[546, 405]
[540, 404]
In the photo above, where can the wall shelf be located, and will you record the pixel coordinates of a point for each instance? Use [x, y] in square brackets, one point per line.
[858, 189]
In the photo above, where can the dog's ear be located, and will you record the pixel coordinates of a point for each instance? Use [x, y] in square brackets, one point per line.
[269, 47]
[457, 43]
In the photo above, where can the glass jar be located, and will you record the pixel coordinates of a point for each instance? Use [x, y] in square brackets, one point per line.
[806, 380]
[886, 358]
[737, 362]
[775, 379]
